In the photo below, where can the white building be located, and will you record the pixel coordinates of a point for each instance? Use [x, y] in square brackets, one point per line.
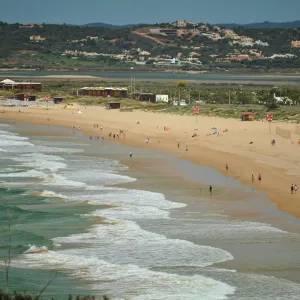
[162, 98]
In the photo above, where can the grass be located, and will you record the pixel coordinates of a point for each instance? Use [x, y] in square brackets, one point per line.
[283, 113]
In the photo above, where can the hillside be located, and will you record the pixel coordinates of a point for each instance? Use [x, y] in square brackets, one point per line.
[110, 26]
[258, 25]
[181, 45]
[264, 25]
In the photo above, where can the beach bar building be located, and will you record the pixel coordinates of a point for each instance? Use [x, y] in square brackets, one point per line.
[145, 97]
[8, 84]
[104, 92]
[247, 116]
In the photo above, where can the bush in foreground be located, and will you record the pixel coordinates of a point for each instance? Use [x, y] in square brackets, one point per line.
[24, 296]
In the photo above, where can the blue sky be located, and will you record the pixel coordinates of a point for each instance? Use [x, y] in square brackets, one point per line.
[148, 11]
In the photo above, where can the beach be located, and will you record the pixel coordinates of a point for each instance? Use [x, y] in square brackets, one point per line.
[136, 228]
[278, 165]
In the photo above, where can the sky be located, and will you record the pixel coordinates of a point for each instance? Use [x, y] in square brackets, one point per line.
[120, 12]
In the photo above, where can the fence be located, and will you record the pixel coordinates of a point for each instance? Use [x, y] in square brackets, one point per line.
[297, 129]
[13, 102]
[287, 134]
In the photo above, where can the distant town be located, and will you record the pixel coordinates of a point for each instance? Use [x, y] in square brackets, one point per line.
[182, 45]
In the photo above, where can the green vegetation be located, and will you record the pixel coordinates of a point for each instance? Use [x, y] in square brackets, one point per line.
[25, 296]
[212, 99]
[16, 49]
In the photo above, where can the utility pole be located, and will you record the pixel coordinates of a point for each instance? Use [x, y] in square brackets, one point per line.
[229, 98]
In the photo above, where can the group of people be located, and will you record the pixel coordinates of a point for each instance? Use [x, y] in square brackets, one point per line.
[118, 134]
[186, 147]
[294, 188]
[97, 126]
[98, 138]
[259, 178]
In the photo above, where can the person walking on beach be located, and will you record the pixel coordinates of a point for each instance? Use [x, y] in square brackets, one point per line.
[252, 178]
[178, 145]
[292, 189]
[130, 155]
[226, 167]
[210, 189]
[259, 177]
[186, 148]
[101, 128]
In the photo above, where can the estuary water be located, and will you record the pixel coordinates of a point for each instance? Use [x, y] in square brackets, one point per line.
[203, 77]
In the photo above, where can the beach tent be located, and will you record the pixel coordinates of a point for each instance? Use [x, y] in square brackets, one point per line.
[7, 82]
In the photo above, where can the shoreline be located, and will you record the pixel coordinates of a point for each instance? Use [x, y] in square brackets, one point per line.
[278, 165]
[147, 173]
[274, 73]
[225, 78]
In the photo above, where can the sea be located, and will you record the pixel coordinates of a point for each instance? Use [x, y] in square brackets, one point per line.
[89, 220]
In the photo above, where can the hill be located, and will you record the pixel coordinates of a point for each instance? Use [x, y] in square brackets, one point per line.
[182, 45]
[264, 25]
[110, 26]
[261, 25]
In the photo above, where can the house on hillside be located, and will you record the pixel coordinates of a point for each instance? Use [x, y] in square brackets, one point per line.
[181, 24]
[36, 38]
[31, 25]
[239, 57]
[295, 44]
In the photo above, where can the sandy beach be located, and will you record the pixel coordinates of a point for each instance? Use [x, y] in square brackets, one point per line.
[278, 165]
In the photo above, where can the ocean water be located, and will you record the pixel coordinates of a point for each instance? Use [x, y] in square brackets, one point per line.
[74, 214]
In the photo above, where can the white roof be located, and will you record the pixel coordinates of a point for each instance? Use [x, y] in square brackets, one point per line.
[7, 81]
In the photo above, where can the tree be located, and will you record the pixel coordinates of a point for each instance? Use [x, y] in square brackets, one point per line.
[181, 84]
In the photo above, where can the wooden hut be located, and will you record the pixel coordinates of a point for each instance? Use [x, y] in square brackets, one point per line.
[146, 97]
[20, 96]
[57, 100]
[31, 97]
[247, 116]
[113, 105]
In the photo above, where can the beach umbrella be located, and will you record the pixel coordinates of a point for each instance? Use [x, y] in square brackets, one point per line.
[7, 81]
[214, 130]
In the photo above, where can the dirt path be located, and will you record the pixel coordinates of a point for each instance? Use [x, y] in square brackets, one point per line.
[143, 35]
